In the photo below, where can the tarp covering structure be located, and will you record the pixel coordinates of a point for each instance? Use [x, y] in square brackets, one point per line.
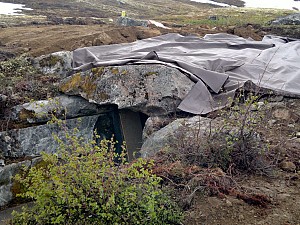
[218, 63]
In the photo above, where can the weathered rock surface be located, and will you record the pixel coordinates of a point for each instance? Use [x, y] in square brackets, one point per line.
[293, 19]
[62, 107]
[167, 135]
[154, 124]
[151, 89]
[6, 174]
[126, 21]
[32, 140]
[55, 63]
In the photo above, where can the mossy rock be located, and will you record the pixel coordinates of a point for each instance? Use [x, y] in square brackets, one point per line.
[50, 61]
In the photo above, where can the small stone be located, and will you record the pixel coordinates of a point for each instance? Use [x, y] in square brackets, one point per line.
[241, 217]
[3, 98]
[271, 122]
[277, 98]
[257, 106]
[2, 164]
[7, 139]
[228, 203]
[287, 166]
[298, 134]
[282, 113]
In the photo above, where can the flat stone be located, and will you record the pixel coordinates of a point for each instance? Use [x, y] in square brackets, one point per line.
[154, 90]
[63, 107]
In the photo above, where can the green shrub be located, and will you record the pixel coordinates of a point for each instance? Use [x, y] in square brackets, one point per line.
[89, 184]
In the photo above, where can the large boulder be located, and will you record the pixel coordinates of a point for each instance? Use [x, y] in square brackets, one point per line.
[63, 107]
[151, 89]
[6, 182]
[293, 19]
[178, 130]
[32, 141]
[154, 124]
[128, 22]
[55, 63]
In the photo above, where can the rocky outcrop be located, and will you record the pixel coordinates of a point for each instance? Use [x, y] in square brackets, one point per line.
[55, 63]
[170, 134]
[126, 21]
[63, 107]
[293, 19]
[150, 89]
[32, 141]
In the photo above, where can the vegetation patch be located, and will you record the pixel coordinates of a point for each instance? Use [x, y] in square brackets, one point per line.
[86, 183]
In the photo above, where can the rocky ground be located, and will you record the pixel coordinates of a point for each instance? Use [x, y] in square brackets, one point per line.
[55, 26]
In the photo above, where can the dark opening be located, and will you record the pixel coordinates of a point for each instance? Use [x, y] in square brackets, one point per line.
[108, 126]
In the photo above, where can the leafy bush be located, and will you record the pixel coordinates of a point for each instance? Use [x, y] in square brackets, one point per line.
[89, 184]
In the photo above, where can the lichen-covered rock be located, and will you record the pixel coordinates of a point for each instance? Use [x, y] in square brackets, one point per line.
[293, 19]
[186, 128]
[6, 174]
[126, 21]
[32, 140]
[62, 107]
[55, 63]
[151, 89]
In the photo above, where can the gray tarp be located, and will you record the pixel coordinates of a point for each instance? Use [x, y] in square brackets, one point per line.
[218, 63]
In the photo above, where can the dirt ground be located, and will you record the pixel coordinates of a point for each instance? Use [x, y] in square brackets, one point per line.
[43, 39]
[40, 40]
[284, 210]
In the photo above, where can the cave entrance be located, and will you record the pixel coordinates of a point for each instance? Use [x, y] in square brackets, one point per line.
[126, 126]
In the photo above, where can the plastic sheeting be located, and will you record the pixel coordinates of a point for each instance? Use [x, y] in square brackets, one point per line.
[217, 63]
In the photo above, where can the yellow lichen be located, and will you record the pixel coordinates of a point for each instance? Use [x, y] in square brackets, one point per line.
[114, 71]
[151, 73]
[98, 71]
[72, 83]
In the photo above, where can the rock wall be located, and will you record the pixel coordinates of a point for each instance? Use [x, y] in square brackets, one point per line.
[32, 141]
